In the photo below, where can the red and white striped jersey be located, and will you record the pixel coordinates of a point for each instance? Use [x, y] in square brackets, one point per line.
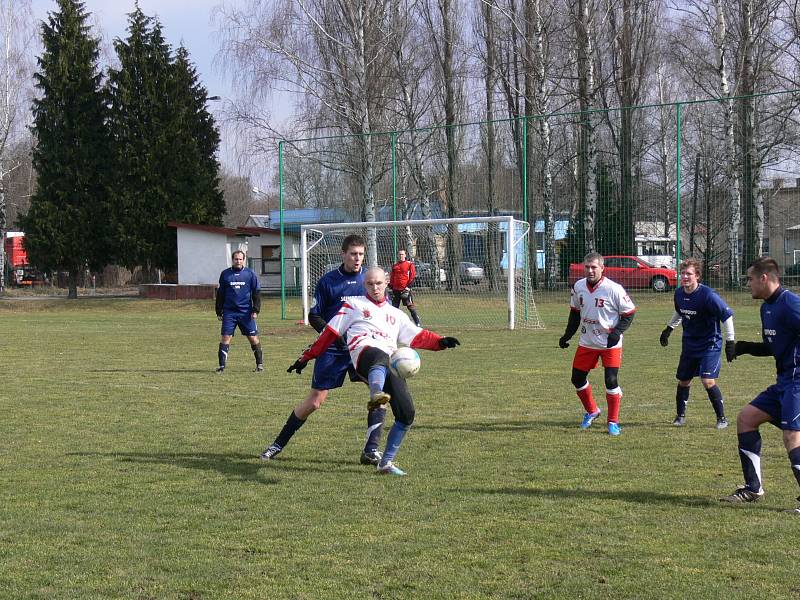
[366, 323]
[600, 307]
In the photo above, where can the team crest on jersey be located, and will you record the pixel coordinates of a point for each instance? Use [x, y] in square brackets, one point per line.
[366, 313]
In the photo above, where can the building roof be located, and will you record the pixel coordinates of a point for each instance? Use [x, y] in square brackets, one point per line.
[238, 231]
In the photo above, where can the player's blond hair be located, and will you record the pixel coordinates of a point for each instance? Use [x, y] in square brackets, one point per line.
[696, 263]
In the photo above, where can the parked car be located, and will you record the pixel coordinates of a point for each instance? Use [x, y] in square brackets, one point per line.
[470, 272]
[425, 274]
[631, 272]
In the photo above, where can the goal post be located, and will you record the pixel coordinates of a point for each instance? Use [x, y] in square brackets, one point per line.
[471, 272]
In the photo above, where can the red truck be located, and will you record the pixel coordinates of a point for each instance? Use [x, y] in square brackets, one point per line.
[20, 269]
[631, 272]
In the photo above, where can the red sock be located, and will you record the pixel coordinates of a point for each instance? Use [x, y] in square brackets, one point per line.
[613, 406]
[585, 394]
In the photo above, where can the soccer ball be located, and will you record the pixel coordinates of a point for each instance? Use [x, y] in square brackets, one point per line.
[404, 362]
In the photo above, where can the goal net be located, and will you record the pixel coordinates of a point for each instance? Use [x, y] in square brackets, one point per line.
[471, 272]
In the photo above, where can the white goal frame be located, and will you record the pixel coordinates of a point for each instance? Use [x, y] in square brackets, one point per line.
[511, 249]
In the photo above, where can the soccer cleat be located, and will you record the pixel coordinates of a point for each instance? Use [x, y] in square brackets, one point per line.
[743, 495]
[271, 452]
[259, 369]
[377, 400]
[390, 469]
[589, 418]
[373, 457]
[219, 370]
[722, 423]
[794, 511]
[679, 421]
[613, 428]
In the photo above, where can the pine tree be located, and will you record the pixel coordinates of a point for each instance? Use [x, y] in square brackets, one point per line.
[164, 145]
[67, 226]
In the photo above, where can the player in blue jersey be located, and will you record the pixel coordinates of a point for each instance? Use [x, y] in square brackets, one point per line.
[331, 368]
[779, 404]
[238, 303]
[700, 310]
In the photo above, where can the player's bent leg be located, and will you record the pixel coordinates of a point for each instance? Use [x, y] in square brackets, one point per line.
[749, 442]
[296, 420]
[404, 413]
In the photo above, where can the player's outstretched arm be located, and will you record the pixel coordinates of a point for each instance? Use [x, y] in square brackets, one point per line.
[752, 348]
[573, 322]
[428, 340]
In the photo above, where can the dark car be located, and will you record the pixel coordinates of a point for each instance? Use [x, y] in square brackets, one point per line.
[425, 274]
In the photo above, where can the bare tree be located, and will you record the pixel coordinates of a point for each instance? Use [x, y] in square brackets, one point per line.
[443, 18]
[334, 53]
[18, 32]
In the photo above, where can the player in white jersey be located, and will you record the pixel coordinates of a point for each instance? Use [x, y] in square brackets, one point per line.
[603, 311]
[372, 329]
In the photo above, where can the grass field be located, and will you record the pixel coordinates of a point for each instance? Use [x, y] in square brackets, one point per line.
[130, 470]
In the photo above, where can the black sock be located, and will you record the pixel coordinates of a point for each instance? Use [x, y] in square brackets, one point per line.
[222, 354]
[375, 419]
[414, 316]
[293, 423]
[794, 459]
[715, 396]
[681, 400]
[256, 348]
[750, 456]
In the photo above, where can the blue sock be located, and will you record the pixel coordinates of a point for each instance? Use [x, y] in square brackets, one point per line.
[750, 456]
[376, 378]
[222, 354]
[794, 459]
[375, 420]
[715, 396]
[681, 400]
[393, 441]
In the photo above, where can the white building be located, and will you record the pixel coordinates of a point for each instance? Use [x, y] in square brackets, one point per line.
[204, 251]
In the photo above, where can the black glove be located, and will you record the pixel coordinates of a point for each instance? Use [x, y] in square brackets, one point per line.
[613, 339]
[298, 366]
[664, 339]
[730, 350]
[563, 342]
[448, 342]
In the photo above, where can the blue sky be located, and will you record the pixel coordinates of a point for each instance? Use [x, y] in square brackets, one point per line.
[184, 21]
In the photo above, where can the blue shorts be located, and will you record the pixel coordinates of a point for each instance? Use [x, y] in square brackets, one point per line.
[781, 402]
[706, 366]
[245, 321]
[330, 369]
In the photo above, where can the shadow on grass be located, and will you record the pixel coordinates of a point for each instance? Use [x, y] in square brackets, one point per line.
[239, 466]
[639, 496]
[516, 425]
[209, 371]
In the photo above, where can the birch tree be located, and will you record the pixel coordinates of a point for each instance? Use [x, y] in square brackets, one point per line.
[330, 54]
[17, 31]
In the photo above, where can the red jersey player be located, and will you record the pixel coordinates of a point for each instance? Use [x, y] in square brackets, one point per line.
[603, 311]
[403, 275]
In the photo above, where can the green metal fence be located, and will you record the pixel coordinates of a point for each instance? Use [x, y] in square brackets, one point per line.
[717, 178]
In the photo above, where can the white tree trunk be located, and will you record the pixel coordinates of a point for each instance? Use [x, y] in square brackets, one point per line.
[732, 177]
